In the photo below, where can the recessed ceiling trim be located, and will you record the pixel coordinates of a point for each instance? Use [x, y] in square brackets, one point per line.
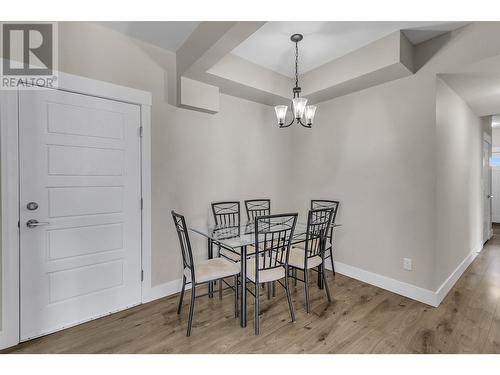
[327, 41]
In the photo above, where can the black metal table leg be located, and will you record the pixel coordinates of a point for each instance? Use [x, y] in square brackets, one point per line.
[210, 256]
[243, 307]
[320, 277]
[320, 269]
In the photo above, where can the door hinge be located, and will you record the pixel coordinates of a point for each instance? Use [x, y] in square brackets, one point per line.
[142, 275]
[142, 203]
[141, 130]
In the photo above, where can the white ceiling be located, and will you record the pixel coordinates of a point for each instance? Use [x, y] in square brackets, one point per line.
[270, 46]
[480, 90]
[495, 121]
[165, 34]
[479, 85]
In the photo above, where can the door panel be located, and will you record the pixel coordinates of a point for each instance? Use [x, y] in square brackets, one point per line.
[90, 200]
[80, 162]
[100, 276]
[65, 118]
[487, 196]
[496, 194]
[84, 161]
[72, 242]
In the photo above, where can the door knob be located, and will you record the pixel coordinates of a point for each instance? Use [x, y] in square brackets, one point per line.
[35, 223]
[490, 196]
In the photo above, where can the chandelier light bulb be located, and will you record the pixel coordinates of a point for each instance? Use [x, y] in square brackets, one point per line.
[309, 114]
[299, 105]
[281, 113]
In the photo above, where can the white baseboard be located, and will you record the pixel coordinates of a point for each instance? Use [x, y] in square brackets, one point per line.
[399, 287]
[163, 290]
[427, 296]
[455, 275]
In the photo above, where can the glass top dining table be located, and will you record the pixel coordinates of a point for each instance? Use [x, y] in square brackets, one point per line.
[238, 238]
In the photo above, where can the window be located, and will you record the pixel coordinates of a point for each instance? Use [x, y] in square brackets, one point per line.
[495, 160]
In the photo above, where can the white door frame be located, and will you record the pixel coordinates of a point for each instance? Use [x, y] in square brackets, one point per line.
[488, 139]
[9, 318]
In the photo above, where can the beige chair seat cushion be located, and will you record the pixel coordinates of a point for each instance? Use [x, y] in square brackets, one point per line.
[213, 269]
[297, 259]
[302, 245]
[272, 274]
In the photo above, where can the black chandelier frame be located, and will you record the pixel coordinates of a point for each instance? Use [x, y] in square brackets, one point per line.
[296, 38]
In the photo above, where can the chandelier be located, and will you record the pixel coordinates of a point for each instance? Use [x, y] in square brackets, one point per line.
[302, 113]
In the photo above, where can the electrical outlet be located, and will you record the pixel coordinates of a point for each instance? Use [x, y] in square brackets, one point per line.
[407, 264]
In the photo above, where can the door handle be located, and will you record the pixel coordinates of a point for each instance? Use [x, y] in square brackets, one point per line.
[490, 196]
[35, 223]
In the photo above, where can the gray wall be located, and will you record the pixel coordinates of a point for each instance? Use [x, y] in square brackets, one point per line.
[197, 158]
[486, 126]
[496, 137]
[1, 268]
[459, 205]
[374, 151]
[382, 163]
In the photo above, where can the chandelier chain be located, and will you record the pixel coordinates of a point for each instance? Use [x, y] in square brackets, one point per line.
[296, 64]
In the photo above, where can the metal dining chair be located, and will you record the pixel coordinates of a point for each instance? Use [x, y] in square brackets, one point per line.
[227, 215]
[322, 203]
[313, 253]
[201, 272]
[257, 207]
[254, 208]
[273, 238]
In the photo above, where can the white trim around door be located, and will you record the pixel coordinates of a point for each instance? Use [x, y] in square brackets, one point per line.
[9, 318]
[486, 187]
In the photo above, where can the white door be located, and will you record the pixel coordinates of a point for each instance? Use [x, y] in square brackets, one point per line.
[486, 179]
[80, 188]
[495, 184]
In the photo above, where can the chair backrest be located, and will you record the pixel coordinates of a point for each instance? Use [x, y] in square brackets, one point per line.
[226, 213]
[318, 224]
[323, 203]
[273, 238]
[182, 232]
[257, 207]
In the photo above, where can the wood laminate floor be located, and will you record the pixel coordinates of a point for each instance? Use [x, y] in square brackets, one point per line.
[361, 319]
